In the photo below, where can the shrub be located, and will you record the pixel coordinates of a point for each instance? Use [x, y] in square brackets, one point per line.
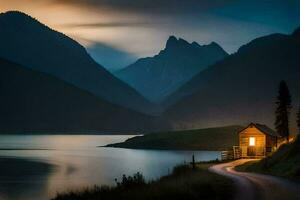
[131, 181]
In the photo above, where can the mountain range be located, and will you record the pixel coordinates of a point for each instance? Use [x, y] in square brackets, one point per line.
[29, 43]
[33, 101]
[49, 82]
[157, 77]
[242, 87]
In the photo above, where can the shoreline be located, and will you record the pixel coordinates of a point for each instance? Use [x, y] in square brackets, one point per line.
[185, 182]
[207, 139]
[157, 149]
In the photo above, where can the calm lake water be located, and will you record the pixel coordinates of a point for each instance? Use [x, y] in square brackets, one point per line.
[76, 161]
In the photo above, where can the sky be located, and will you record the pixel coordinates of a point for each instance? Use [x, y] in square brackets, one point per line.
[129, 29]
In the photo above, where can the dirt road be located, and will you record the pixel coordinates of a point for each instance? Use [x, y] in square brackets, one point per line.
[252, 186]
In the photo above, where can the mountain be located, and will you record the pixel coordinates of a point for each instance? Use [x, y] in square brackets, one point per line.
[111, 58]
[157, 77]
[242, 88]
[34, 101]
[26, 41]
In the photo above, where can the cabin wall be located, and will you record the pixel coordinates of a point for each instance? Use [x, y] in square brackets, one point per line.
[260, 141]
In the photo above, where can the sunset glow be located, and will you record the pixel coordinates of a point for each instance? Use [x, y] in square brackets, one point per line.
[127, 24]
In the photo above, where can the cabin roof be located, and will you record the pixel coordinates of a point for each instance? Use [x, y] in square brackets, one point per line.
[263, 128]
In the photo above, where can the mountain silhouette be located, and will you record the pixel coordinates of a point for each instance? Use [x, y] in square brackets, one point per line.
[241, 88]
[157, 77]
[111, 58]
[26, 41]
[34, 101]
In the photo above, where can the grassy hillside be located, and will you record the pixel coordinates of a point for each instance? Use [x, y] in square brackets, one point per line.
[285, 162]
[184, 183]
[202, 139]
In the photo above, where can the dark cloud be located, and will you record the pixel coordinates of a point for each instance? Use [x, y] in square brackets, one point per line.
[106, 24]
[152, 6]
[231, 23]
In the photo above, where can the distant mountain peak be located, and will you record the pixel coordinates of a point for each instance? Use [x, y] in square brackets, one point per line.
[182, 41]
[20, 19]
[214, 44]
[171, 42]
[195, 44]
[16, 15]
[174, 43]
[157, 77]
[13, 12]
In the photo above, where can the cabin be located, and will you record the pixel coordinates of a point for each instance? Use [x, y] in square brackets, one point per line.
[257, 140]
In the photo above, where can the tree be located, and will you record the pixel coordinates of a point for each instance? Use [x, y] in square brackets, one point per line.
[298, 119]
[283, 110]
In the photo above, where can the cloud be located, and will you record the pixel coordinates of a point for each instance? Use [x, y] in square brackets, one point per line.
[142, 26]
[106, 24]
[152, 7]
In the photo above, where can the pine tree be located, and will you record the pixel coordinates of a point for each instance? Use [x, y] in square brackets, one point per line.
[283, 110]
[298, 119]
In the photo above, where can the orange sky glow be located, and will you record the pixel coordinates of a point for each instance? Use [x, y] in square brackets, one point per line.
[60, 16]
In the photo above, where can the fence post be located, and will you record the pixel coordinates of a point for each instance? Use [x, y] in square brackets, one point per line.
[193, 162]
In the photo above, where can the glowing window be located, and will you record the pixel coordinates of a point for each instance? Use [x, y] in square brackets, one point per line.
[252, 141]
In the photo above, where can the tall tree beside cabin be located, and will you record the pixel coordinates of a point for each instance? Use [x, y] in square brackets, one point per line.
[298, 119]
[283, 110]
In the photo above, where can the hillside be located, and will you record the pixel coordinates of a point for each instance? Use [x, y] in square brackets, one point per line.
[219, 138]
[183, 183]
[29, 43]
[33, 101]
[157, 77]
[242, 88]
[285, 162]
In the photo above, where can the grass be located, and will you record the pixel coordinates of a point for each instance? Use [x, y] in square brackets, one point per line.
[219, 138]
[285, 162]
[184, 183]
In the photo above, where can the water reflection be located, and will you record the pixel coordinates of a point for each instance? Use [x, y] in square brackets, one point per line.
[20, 178]
[73, 162]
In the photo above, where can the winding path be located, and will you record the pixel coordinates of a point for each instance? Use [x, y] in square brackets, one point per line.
[252, 186]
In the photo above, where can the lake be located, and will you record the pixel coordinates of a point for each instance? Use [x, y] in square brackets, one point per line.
[64, 162]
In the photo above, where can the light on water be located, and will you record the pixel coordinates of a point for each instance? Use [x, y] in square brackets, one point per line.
[76, 161]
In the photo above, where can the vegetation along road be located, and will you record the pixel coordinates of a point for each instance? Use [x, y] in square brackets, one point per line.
[252, 186]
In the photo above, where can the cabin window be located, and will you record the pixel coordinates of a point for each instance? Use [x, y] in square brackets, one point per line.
[252, 141]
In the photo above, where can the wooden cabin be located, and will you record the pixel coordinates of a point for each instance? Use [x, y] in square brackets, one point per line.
[257, 140]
